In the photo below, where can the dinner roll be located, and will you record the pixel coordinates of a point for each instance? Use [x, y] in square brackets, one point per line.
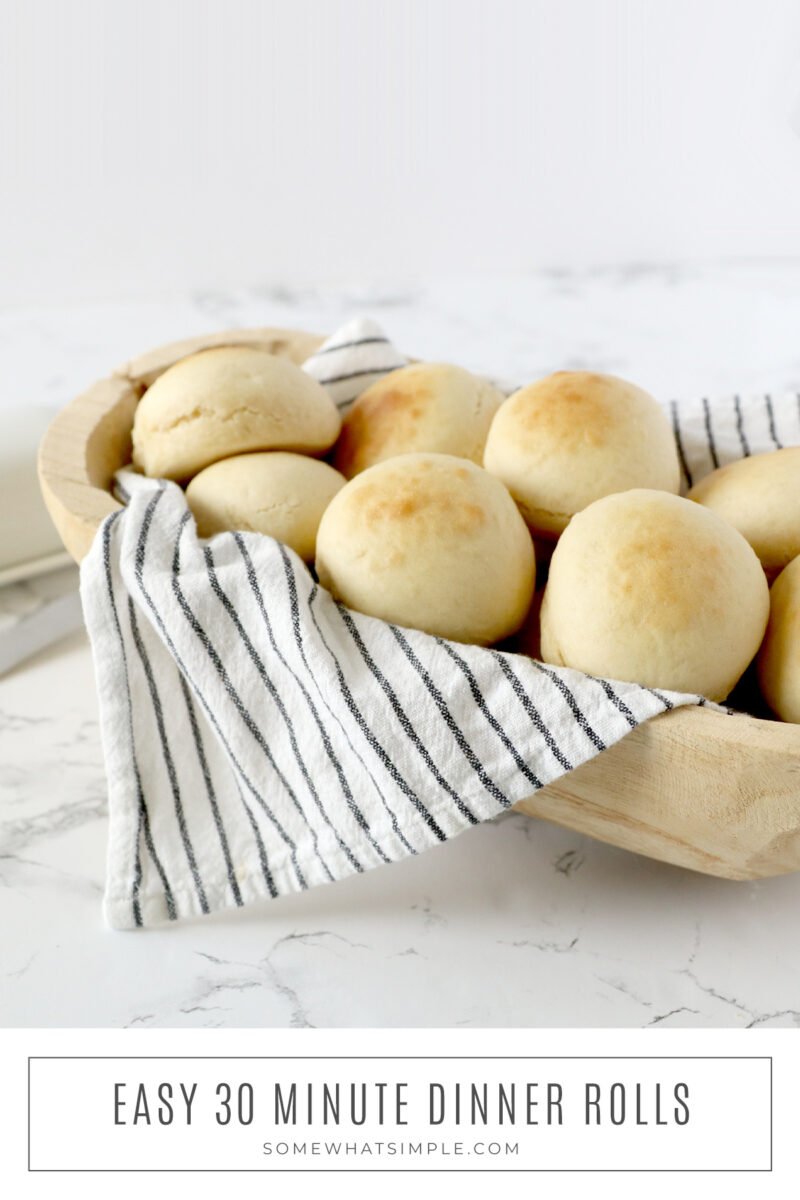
[282, 495]
[760, 496]
[564, 441]
[427, 406]
[224, 401]
[652, 589]
[432, 542]
[779, 657]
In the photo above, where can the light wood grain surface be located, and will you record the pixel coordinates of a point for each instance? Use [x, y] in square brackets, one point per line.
[697, 788]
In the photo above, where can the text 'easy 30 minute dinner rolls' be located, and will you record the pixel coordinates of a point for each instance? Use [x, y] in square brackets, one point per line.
[652, 589]
[565, 441]
[779, 656]
[432, 542]
[225, 401]
[759, 496]
[274, 492]
[424, 407]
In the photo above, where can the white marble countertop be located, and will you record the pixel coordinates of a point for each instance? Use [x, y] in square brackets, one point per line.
[516, 922]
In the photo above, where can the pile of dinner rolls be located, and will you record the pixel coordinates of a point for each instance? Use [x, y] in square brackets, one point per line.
[439, 496]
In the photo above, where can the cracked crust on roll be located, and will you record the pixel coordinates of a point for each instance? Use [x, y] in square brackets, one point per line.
[229, 400]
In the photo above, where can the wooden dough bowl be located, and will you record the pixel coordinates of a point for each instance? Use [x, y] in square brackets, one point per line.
[692, 787]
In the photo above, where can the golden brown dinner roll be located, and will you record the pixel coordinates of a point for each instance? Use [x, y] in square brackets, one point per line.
[564, 441]
[759, 496]
[779, 657]
[427, 406]
[273, 492]
[650, 588]
[224, 401]
[432, 542]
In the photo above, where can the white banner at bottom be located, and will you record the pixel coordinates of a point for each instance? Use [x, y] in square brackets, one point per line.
[383, 1113]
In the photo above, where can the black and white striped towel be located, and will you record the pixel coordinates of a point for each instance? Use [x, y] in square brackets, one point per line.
[260, 739]
[357, 355]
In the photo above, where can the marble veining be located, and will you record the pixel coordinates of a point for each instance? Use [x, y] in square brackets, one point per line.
[516, 922]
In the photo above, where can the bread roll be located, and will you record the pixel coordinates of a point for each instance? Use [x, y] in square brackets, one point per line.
[225, 401]
[424, 407]
[273, 492]
[779, 656]
[432, 542]
[652, 589]
[759, 496]
[569, 439]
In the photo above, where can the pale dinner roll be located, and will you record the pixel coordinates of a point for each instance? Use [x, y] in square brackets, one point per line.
[425, 407]
[652, 589]
[225, 401]
[432, 542]
[779, 656]
[759, 496]
[565, 441]
[273, 492]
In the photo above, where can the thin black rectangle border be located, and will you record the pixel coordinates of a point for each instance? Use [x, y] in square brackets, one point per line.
[402, 1170]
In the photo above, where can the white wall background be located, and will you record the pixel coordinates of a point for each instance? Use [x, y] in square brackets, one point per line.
[154, 145]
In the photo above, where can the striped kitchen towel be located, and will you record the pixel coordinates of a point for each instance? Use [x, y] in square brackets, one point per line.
[357, 355]
[260, 738]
